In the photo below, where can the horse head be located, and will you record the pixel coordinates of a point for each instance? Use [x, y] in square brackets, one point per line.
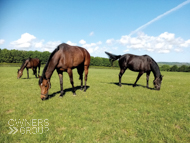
[45, 85]
[19, 74]
[157, 82]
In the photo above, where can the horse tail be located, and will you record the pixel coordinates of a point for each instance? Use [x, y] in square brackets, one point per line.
[112, 57]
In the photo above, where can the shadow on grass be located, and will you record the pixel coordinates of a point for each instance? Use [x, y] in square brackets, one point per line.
[131, 84]
[66, 90]
[29, 78]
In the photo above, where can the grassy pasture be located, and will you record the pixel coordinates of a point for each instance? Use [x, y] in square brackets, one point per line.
[105, 113]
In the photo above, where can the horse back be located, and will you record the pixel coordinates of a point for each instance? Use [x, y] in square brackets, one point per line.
[71, 56]
[32, 62]
[136, 63]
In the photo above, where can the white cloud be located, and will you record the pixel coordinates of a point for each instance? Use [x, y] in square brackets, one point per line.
[114, 48]
[125, 51]
[96, 48]
[124, 39]
[99, 43]
[24, 42]
[2, 41]
[91, 33]
[90, 50]
[38, 44]
[167, 36]
[110, 41]
[165, 51]
[164, 43]
[50, 46]
[42, 46]
[92, 47]
[185, 44]
[70, 43]
[178, 50]
[29, 42]
[82, 42]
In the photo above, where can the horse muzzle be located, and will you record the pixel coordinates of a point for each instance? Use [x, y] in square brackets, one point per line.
[157, 87]
[44, 96]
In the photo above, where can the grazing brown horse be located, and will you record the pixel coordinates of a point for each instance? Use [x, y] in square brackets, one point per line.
[65, 58]
[32, 63]
[141, 64]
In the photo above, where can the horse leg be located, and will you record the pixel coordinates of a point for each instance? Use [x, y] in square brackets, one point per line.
[35, 72]
[38, 70]
[27, 73]
[147, 79]
[139, 75]
[69, 71]
[61, 82]
[80, 72]
[86, 75]
[122, 71]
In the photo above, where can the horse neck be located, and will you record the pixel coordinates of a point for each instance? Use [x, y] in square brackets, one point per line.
[48, 70]
[155, 69]
[23, 66]
[51, 64]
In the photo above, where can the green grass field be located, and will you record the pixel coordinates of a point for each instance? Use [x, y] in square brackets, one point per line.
[104, 113]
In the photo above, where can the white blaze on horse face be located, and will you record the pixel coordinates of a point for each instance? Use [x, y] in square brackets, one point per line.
[44, 87]
[19, 74]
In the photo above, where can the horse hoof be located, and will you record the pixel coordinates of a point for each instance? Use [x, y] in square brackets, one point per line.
[61, 96]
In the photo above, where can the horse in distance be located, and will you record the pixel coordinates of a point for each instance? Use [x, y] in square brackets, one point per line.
[32, 63]
[65, 58]
[141, 64]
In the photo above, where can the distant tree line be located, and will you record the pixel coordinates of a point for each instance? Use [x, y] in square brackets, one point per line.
[99, 61]
[18, 56]
[175, 68]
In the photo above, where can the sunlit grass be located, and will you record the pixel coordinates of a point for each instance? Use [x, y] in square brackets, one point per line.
[104, 113]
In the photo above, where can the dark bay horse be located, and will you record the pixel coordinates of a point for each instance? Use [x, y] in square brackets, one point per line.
[32, 63]
[65, 58]
[141, 64]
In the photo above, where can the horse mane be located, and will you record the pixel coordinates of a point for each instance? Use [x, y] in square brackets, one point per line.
[155, 68]
[24, 61]
[51, 55]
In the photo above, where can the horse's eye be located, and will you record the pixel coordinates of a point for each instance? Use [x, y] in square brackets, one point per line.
[45, 85]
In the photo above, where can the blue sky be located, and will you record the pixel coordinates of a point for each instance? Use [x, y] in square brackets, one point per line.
[160, 29]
